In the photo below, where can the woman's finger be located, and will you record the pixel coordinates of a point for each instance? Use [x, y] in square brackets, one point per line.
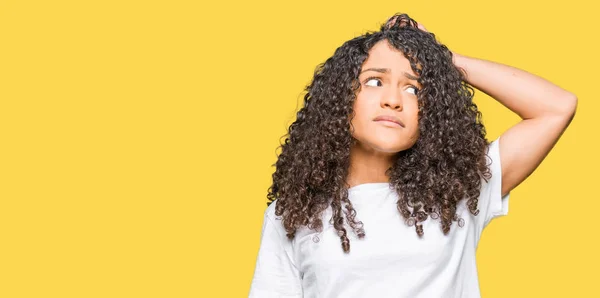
[391, 21]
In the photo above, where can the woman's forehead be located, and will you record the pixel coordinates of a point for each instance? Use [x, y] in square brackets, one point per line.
[387, 59]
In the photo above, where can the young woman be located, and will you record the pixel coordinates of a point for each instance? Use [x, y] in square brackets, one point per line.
[386, 179]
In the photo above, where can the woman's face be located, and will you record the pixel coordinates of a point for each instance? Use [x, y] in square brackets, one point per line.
[386, 90]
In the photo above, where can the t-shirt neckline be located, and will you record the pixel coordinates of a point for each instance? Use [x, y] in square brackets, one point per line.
[369, 186]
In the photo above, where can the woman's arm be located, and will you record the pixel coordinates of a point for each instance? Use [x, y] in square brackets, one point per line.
[545, 108]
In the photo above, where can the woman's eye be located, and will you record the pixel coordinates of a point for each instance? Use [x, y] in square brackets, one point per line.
[415, 90]
[375, 80]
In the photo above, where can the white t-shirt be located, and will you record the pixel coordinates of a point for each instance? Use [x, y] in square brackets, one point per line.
[390, 261]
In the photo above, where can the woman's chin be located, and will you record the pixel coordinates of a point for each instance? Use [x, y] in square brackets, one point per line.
[384, 144]
[391, 150]
[388, 148]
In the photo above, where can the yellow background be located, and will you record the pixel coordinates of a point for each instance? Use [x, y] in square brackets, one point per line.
[137, 138]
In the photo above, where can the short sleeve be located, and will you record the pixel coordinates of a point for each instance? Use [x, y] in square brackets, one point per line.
[491, 202]
[275, 274]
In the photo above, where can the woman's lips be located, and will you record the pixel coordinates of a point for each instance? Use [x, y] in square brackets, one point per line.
[389, 120]
[389, 123]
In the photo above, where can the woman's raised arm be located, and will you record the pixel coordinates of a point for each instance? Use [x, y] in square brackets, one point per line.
[545, 109]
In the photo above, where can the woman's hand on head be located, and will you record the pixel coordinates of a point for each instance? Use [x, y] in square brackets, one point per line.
[392, 20]
[422, 27]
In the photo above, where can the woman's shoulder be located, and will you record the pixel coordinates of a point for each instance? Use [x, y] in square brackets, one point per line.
[270, 211]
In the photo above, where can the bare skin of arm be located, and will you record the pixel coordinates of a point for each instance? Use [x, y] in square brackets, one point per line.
[546, 111]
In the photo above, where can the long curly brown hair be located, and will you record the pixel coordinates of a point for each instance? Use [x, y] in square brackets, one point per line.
[443, 167]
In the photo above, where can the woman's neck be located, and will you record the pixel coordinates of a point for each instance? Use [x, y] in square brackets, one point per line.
[368, 165]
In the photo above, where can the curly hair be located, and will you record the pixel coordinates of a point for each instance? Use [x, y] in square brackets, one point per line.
[443, 167]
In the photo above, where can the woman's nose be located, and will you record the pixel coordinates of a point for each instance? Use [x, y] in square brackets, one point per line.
[392, 99]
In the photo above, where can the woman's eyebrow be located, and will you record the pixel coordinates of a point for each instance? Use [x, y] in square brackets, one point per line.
[387, 70]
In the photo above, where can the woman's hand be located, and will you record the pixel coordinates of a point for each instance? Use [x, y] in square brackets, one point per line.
[420, 26]
[391, 21]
